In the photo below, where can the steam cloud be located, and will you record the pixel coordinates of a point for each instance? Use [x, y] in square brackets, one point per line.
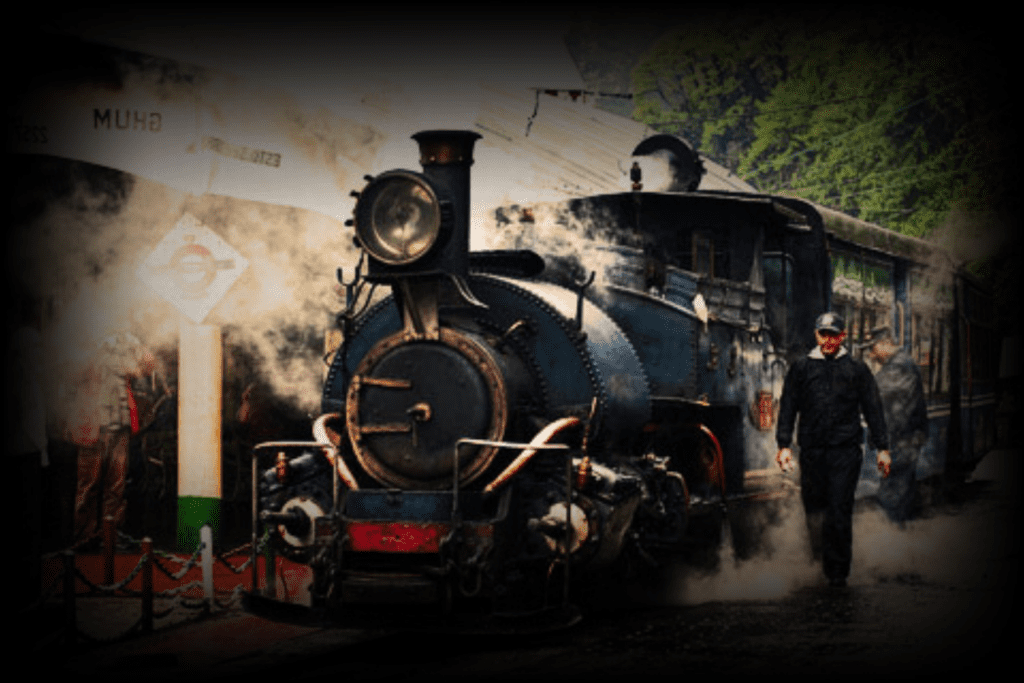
[949, 545]
[81, 251]
[84, 262]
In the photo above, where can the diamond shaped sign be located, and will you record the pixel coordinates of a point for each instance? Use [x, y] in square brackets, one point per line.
[192, 268]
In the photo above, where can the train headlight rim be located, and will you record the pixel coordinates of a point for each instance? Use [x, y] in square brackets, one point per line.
[399, 218]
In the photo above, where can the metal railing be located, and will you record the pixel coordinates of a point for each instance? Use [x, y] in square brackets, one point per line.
[65, 586]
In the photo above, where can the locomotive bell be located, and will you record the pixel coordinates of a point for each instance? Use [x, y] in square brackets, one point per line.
[417, 224]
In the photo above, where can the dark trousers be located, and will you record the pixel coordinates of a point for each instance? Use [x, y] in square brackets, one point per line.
[102, 473]
[828, 480]
[896, 492]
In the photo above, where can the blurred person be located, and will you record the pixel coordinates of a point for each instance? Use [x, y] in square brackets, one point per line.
[906, 416]
[106, 415]
[830, 390]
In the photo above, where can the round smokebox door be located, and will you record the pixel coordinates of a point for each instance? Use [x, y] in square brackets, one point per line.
[412, 399]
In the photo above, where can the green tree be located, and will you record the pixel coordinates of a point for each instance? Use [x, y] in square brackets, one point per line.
[894, 120]
[703, 82]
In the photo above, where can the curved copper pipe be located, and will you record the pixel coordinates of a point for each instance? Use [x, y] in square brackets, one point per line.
[321, 436]
[719, 457]
[543, 437]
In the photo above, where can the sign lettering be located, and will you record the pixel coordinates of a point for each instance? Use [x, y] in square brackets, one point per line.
[255, 156]
[30, 134]
[127, 119]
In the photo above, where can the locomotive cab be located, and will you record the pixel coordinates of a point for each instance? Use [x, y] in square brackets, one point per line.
[717, 292]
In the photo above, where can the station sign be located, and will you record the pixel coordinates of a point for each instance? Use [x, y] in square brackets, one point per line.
[192, 268]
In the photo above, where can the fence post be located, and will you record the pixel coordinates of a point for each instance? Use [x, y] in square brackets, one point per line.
[147, 585]
[70, 618]
[255, 522]
[109, 531]
[206, 536]
[270, 572]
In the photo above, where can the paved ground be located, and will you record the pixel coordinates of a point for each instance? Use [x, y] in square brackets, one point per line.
[941, 590]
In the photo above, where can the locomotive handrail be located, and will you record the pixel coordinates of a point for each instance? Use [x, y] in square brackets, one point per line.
[661, 301]
[529, 450]
[329, 450]
[638, 294]
[539, 442]
[320, 434]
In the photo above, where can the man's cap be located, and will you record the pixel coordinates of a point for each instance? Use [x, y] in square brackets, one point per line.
[875, 336]
[830, 322]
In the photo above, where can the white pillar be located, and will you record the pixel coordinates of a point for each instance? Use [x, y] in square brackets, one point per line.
[200, 366]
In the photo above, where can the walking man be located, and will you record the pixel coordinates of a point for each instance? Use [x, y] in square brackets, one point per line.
[906, 416]
[830, 390]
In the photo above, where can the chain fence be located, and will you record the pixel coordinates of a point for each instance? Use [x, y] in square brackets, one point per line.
[176, 604]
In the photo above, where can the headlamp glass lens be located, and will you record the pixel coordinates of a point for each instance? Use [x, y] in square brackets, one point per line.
[405, 221]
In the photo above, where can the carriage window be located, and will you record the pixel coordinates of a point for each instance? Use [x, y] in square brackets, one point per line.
[778, 287]
[878, 283]
[703, 255]
[862, 291]
[778, 274]
[846, 283]
[931, 299]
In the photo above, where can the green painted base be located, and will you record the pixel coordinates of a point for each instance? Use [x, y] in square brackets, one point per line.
[193, 513]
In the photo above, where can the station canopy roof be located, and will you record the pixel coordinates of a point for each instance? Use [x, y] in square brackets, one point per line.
[283, 111]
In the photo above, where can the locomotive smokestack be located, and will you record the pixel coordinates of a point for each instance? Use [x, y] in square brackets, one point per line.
[446, 156]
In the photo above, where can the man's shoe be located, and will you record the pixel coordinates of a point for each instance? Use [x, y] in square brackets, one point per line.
[837, 582]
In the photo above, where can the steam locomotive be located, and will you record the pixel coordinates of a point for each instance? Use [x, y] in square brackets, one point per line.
[499, 427]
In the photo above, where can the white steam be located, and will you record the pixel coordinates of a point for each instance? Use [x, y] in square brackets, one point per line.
[782, 565]
[972, 236]
[656, 173]
[951, 545]
[87, 262]
[571, 244]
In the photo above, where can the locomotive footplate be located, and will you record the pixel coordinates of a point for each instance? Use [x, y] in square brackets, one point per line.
[398, 546]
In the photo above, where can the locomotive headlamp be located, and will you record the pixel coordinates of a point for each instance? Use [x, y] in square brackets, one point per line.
[399, 217]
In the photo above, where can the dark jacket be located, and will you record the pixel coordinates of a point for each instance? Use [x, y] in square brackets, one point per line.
[902, 391]
[830, 394]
